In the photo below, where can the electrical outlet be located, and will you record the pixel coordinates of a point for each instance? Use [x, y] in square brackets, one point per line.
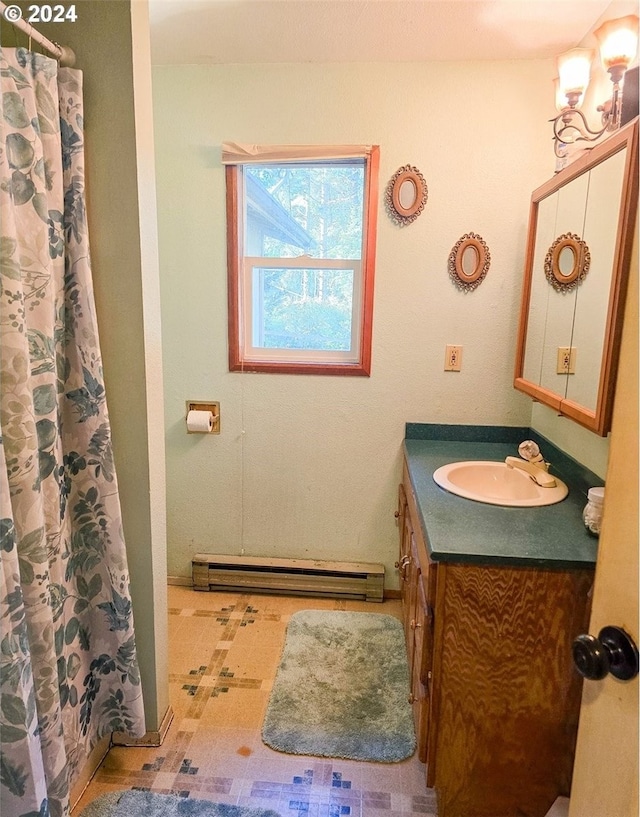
[566, 361]
[453, 358]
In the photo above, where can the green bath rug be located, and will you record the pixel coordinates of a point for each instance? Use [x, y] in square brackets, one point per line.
[342, 689]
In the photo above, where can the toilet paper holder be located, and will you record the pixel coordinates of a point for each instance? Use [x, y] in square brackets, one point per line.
[198, 405]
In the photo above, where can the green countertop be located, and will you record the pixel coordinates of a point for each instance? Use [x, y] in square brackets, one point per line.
[463, 531]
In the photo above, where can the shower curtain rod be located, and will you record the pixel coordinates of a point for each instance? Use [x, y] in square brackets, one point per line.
[62, 53]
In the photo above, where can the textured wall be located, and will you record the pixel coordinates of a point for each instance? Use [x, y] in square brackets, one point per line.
[315, 473]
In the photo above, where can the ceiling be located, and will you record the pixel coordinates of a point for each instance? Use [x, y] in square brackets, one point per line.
[258, 31]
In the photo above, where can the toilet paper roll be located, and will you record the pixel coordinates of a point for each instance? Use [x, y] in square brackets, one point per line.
[200, 422]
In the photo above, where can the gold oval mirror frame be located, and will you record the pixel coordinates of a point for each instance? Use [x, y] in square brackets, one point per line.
[406, 195]
[469, 262]
[564, 277]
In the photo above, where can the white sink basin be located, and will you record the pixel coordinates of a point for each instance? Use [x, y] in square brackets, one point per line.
[497, 484]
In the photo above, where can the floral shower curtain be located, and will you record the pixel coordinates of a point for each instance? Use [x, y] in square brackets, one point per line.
[68, 667]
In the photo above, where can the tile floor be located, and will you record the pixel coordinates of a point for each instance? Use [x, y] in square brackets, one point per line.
[224, 649]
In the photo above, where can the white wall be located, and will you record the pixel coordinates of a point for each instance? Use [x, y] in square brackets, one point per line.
[580, 443]
[315, 473]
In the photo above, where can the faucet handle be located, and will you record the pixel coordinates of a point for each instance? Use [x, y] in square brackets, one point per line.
[530, 451]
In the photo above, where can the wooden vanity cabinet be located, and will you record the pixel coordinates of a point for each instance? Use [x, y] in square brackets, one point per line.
[407, 569]
[417, 618]
[495, 695]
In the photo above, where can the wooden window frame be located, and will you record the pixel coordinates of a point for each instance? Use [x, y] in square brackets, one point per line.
[238, 361]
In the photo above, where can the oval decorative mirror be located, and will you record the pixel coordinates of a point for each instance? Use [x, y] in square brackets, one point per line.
[581, 221]
[567, 262]
[469, 262]
[406, 195]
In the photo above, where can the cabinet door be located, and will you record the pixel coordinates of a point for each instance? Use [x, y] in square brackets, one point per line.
[401, 513]
[410, 591]
[424, 613]
[505, 694]
[421, 667]
[407, 566]
[404, 537]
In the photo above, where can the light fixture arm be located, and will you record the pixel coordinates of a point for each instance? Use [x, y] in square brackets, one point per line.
[564, 130]
[611, 109]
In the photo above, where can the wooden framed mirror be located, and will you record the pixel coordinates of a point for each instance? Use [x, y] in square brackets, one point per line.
[469, 262]
[406, 195]
[581, 221]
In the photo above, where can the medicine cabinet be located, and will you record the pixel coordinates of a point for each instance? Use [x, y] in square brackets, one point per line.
[581, 226]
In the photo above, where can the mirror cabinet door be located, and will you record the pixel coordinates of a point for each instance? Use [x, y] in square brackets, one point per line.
[578, 253]
[551, 312]
[592, 296]
[572, 203]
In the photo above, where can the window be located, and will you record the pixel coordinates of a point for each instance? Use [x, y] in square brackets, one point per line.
[301, 229]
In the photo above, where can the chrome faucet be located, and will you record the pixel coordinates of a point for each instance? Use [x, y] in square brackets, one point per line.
[532, 463]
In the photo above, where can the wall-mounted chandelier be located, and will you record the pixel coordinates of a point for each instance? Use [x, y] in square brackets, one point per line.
[617, 43]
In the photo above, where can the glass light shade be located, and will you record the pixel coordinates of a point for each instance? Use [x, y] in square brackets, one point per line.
[561, 99]
[618, 41]
[573, 68]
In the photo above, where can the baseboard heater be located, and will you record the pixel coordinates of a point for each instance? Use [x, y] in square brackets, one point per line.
[304, 577]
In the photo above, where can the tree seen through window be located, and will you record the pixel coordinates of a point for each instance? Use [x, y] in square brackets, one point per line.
[314, 210]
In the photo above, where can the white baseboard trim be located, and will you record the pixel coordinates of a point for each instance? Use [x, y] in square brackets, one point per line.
[149, 738]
